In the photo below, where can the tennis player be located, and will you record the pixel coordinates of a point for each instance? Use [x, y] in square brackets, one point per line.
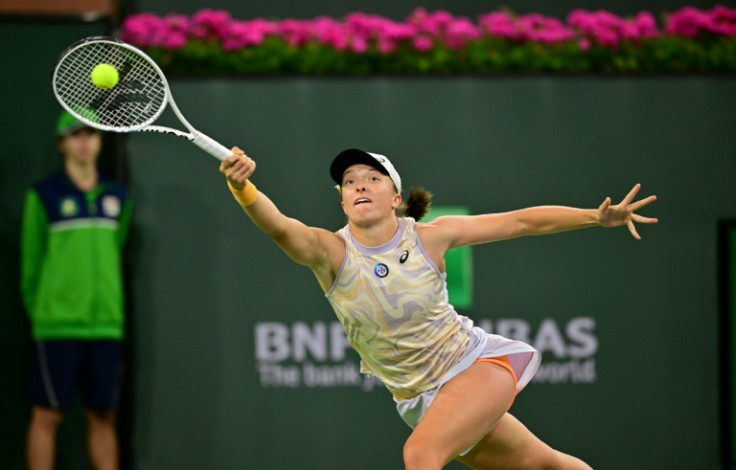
[384, 275]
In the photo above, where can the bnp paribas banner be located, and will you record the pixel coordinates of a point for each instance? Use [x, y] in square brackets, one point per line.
[317, 354]
[300, 354]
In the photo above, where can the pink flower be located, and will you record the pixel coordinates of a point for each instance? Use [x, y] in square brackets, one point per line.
[422, 43]
[422, 30]
[459, 32]
[240, 34]
[500, 24]
[646, 25]
[176, 22]
[386, 34]
[417, 16]
[610, 30]
[174, 40]
[295, 32]
[360, 24]
[386, 45]
[531, 27]
[210, 24]
[535, 27]
[330, 32]
[358, 44]
[395, 32]
[725, 19]
[425, 28]
[433, 24]
[690, 22]
[141, 29]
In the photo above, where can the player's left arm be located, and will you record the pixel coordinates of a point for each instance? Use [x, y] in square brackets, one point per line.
[454, 231]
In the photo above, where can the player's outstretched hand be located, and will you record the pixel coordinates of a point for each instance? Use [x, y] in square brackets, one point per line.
[623, 213]
[237, 168]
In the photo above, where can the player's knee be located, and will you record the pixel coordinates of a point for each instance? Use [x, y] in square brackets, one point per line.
[546, 458]
[421, 457]
[562, 461]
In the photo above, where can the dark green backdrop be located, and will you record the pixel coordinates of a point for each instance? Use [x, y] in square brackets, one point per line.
[204, 277]
[630, 327]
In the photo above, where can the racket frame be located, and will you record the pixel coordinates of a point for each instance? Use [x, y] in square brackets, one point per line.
[198, 138]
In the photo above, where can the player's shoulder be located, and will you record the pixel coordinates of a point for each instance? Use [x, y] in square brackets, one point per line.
[434, 225]
[332, 247]
[336, 237]
[439, 231]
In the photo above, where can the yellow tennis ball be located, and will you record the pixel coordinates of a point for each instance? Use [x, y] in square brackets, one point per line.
[104, 76]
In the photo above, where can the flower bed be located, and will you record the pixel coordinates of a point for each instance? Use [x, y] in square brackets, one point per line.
[211, 42]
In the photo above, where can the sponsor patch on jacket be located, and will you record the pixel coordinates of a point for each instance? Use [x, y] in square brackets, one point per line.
[111, 206]
[68, 207]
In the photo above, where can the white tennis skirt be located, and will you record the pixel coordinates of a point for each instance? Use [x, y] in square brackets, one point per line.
[524, 360]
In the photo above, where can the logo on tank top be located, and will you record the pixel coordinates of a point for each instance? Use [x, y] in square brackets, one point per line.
[404, 256]
[381, 270]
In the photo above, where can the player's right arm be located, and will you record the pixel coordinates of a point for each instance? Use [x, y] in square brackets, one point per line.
[310, 246]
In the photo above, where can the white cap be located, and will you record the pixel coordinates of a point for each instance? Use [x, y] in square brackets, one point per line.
[350, 157]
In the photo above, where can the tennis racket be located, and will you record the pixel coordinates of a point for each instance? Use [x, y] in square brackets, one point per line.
[133, 104]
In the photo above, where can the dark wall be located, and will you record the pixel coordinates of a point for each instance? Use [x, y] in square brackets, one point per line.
[229, 330]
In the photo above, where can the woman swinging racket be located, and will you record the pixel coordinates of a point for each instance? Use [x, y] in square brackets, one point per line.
[384, 275]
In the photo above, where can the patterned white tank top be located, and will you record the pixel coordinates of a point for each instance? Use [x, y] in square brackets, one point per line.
[392, 301]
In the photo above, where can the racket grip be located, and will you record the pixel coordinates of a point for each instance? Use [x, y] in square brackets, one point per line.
[211, 146]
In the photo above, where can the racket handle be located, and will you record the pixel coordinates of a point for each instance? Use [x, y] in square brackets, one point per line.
[211, 146]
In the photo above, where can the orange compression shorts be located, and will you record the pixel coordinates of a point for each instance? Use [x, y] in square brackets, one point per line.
[504, 362]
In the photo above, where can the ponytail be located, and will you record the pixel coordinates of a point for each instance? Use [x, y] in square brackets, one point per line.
[416, 205]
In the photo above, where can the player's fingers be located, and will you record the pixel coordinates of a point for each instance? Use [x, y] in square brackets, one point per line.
[639, 204]
[244, 168]
[248, 163]
[243, 160]
[630, 197]
[605, 204]
[245, 173]
[644, 220]
[241, 174]
[632, 229]
[232, 160]
[238, 166]
[226, 164]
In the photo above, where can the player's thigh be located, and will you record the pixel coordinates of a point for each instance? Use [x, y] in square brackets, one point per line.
[509, 445]
[465, 409]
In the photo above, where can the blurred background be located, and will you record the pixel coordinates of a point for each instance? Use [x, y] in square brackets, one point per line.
[235, 359]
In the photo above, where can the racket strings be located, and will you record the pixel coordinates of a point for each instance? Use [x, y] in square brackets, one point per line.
[137, 100]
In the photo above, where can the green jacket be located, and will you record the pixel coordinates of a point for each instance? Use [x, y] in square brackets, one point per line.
[71, 246]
